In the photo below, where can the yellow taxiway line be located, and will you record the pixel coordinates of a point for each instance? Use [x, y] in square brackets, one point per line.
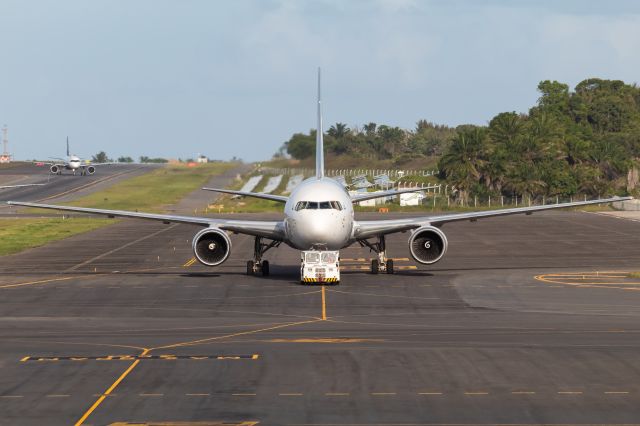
[108, 391]
[324, 305]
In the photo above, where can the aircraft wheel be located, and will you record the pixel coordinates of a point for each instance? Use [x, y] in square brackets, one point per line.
[249, 267]
[389, 266]
[265, 268]
[375, 266]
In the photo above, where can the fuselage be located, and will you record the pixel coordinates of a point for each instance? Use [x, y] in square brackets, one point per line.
[73, 163]
[319, 215]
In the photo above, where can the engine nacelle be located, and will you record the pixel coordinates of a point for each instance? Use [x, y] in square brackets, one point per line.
[54, 169]
[428, 244]
[211, 246]
[91, 170]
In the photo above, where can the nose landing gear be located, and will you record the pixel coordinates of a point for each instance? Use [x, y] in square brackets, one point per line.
[257, 266]
[382, 263]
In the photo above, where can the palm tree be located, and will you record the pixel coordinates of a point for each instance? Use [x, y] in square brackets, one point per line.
[370, 129]
[463, 160]
[338, 131]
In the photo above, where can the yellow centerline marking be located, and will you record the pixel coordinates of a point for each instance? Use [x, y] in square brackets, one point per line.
[189, 262]
[324, 305]
[242, 333]
[42, 281]
[595, 279]
[108, 391]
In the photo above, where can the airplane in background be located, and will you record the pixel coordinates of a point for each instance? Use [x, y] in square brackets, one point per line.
[71, 162]
[319, 215]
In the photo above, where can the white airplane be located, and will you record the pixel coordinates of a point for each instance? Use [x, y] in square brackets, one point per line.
[318, 215]
[73, 163]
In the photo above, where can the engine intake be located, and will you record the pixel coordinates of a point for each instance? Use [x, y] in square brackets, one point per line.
[91, 170]
[211, 246]
[54, 169]
[428, 245]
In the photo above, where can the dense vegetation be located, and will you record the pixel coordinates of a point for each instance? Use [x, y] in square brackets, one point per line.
[581, 142]
[375, 142]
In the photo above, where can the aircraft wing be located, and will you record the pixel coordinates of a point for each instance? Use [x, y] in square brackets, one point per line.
[371, 228]
[268, 229]
[380, 194]
[21, 186]
[98, 164]
[271, 197]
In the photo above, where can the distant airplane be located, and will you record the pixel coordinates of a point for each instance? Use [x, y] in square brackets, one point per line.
[318, 215]
[71, 162]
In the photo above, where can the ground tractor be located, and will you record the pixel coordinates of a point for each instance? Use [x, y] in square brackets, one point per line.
[320, 266]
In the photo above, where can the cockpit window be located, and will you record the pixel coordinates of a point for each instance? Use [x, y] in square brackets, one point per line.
[313, 205]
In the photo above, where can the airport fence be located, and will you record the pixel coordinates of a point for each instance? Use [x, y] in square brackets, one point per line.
[392, 173]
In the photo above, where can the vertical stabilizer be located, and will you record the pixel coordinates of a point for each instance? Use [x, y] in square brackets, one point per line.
[68, 146]
[319, 141]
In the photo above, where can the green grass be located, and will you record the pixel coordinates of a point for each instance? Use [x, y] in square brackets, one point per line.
[151, 192]
[21, 234]
[155, 191]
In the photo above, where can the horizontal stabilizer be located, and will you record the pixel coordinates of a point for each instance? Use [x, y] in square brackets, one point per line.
[278, 198]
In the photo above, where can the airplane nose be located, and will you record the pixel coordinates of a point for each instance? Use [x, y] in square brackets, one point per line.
[322, 229]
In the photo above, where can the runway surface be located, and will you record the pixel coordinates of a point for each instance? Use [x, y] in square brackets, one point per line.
[59, 188]
[527, 320]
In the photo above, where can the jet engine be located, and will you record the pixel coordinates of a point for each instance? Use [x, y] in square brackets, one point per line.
[91, 170]
[211, 246]
[54, 169]
[428, 244]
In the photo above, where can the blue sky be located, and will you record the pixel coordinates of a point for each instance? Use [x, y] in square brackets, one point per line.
[178, 78]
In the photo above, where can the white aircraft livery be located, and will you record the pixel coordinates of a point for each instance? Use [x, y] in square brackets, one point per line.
[72, 163]
[318, 215]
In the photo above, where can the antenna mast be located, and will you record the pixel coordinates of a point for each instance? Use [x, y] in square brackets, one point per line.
[5, 157]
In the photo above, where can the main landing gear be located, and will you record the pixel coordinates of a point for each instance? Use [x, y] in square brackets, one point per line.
[257, 266]
[382, 263]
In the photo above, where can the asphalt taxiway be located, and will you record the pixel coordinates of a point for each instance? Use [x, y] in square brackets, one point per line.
[59, 188]
[527, 320]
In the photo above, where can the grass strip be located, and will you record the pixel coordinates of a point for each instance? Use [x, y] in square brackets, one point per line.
[21, 234]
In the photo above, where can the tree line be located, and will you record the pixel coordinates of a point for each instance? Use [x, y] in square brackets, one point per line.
[583, 141]
[380, 142]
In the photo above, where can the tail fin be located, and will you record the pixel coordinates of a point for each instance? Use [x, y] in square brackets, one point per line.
[68, 146]
[319, 141]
